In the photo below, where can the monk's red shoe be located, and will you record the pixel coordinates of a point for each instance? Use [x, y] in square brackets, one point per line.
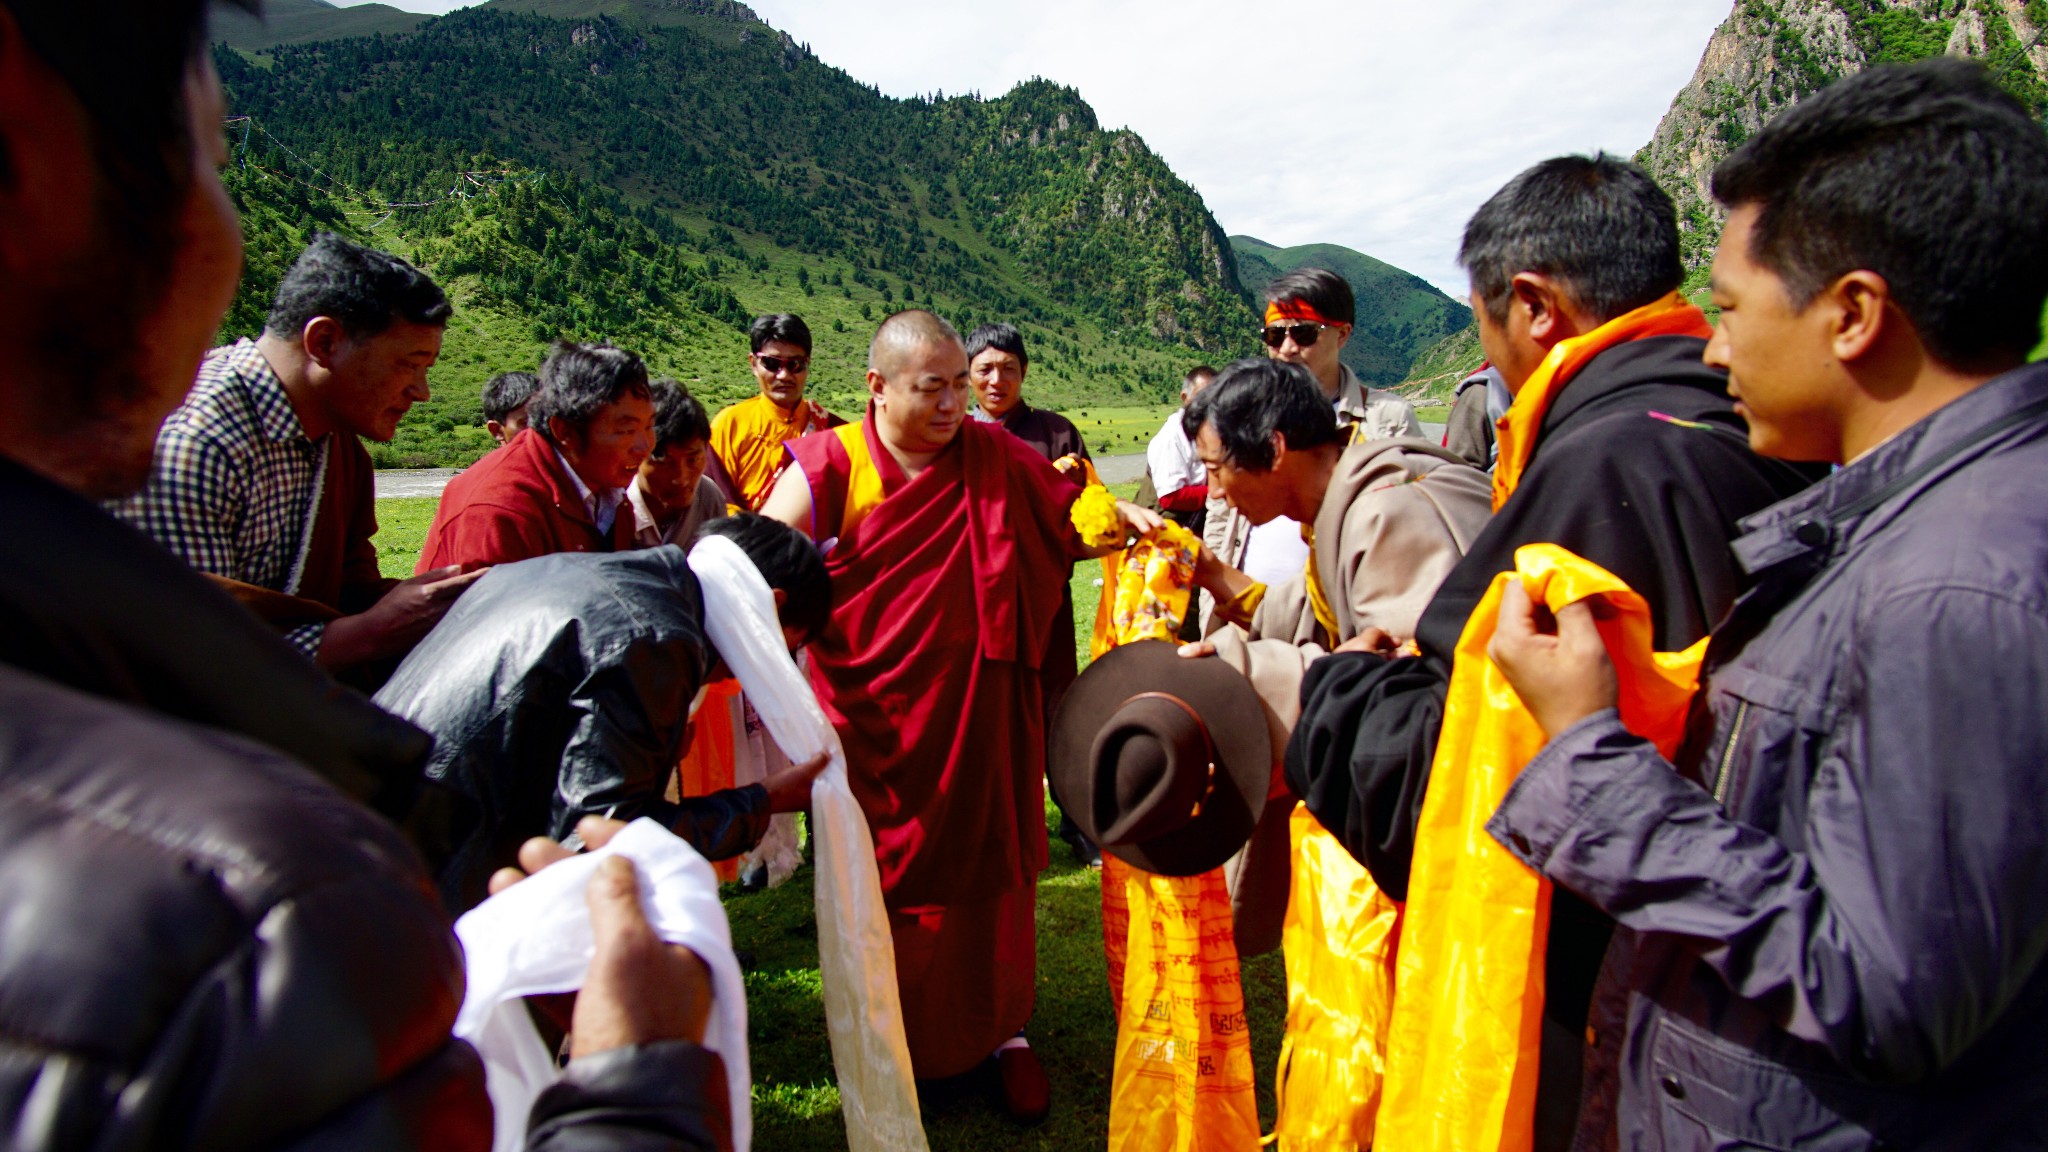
[1026, 1094]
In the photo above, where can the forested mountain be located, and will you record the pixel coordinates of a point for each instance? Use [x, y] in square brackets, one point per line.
[1770, 53]
[297, 21]
[662, 169]
[1399, 314]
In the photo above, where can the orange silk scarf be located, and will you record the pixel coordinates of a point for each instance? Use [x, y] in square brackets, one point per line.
[1462, 1047]
[1671, 316]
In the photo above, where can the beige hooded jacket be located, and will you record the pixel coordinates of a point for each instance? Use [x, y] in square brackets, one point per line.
[1397, 516]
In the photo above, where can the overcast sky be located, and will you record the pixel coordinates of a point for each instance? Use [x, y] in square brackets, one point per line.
[1375, 125]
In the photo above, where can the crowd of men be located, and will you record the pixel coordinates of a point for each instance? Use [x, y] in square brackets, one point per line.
[246, 780]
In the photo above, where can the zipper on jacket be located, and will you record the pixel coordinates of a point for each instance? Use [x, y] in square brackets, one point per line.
[1728, 755]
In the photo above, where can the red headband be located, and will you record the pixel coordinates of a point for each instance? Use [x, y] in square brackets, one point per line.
[1295, 308]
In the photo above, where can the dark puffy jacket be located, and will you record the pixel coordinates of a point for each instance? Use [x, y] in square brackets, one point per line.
[88, 601]
[1834, 911]
[205, 946]
[202, 945]
[558, 688]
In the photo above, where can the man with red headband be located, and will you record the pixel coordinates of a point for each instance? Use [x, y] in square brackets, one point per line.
[1309, 316]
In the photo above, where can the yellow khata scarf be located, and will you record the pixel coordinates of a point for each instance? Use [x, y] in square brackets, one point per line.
[1468, 990]
[1182, 1081]
[1318, 600]
[1516, 430]
[864, 481]
[1338, 941]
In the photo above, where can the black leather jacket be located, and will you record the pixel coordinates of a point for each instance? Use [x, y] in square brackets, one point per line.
[202, 945]
[558, 688]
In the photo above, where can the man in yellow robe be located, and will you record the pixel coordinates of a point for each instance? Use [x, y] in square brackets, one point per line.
[747, 437]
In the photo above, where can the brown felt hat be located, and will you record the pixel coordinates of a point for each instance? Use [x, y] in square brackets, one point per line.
[1164, 762]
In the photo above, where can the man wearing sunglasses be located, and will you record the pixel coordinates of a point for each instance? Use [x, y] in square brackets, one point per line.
[747, 437]
[1309, 316]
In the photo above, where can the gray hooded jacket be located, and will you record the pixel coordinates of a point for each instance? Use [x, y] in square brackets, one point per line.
[1835, 920]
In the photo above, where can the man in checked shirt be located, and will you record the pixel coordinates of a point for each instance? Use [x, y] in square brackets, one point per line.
[260, 478]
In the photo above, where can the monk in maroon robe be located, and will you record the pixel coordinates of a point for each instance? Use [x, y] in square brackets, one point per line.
[952, 547]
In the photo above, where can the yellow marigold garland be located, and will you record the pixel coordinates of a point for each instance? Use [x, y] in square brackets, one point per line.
[1094, 517]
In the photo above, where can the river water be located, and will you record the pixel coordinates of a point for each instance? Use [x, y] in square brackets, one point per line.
[429, 481]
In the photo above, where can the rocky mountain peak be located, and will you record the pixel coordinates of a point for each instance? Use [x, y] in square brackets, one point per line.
[1770, 54]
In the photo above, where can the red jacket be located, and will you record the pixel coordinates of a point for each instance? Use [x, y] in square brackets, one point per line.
[515, 504]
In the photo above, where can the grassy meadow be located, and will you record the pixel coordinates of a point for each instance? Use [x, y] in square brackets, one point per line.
[796, 1104]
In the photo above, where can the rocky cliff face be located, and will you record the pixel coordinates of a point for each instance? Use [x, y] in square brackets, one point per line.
[1769, 54]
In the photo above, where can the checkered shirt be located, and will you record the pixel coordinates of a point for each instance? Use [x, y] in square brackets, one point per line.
[233, 478]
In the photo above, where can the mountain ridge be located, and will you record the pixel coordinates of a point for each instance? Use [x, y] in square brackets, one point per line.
[302, 21]
[527, 162]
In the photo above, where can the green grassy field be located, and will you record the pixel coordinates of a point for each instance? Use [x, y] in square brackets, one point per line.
[796, 1105]
[1119, 431]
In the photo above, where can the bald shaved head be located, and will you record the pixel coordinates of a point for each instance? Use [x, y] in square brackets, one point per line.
[903, 334]
[917, 385]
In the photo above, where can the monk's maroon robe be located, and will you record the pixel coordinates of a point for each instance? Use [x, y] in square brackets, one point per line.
[946, 589]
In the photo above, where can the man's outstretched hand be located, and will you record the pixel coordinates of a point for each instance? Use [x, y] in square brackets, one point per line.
[1373, 642]
[398, 619]
[790, 789]
[1138, 520]
[1557, 664]
[640, 990]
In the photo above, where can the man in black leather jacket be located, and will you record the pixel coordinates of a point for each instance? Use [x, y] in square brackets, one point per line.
[561, 687]
[205, 944]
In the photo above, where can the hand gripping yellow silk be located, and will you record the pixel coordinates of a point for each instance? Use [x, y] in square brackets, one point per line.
[1468, 994]
[1338, 939]
[1183, 1076]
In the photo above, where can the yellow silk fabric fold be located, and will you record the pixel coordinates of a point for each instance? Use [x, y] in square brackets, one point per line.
[1318, 601]
[1516, 430]
[1468, 993]
[1339, 943]
[1183, 1075]
[864, 481]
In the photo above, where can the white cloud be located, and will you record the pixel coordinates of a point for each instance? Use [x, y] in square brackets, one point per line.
[1367, 123]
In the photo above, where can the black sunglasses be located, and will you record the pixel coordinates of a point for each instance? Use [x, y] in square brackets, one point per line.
[775, 364]
[1305, 334]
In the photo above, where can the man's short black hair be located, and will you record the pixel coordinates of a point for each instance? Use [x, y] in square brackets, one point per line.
[783, 327]
[1596, 224]
[506, 392]
[1199, 376]
[678, 417]
[126, 61]
[1319, 288]
[366, 290]
[1002, 338]
[786, 559]
[578, 380]
[1927, 174]
[1251, 400]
